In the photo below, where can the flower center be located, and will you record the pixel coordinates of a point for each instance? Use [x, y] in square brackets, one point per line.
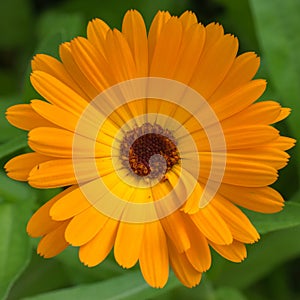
[149, 150]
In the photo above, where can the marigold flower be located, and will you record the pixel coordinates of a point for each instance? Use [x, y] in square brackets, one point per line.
[157, 140]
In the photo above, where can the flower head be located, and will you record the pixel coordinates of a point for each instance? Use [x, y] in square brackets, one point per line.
[157, 140]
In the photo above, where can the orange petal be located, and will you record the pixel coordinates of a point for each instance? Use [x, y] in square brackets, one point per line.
[96, 250]
[261, 199]
[282, 143]
[285, 112]
[51, 141]
[55, 115]
[74, 71]
[154, 261]
[264, 113]
[212, 225]
[53, 173]
[188, 19]
[50, 65]
[189, 53]
[229, 104]
[214, 64]
[53, 242]
[166, 50]
[24, 117]
[84, 226]
[58, 93]
[214, 33]
[235, 252]
[199, 253]
[176, 230]
[117, 50]
[41, 223]
[242, 70]
[92, 64]
[158, 23]
[96, 33]
[191, 205]
[60, 172]
[273, 157]
[238, 171]
[249, 136]
[242, 137]
[19, 167]
[58, 142]
[128, 244]
[69, 205]
[135, 32]
[240, 226]
[182, 268]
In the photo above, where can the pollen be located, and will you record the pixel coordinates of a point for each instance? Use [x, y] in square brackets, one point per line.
[149, 150]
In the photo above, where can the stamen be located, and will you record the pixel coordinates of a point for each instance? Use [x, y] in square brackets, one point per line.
[149, 150]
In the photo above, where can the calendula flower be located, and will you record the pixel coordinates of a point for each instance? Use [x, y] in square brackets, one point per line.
[157, 141]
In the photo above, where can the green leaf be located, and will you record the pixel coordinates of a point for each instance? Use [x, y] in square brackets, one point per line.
[14, 242]
[278, 26]
[54, 29]
[7, 130]
[68, 25]
[272, 250]
[225, 293]
[8, 81]
[15, 22]
[14, 144]
[41, 276]
[49, 45]
[288, 217]
[237, 20]
[130, 286]
[14, 191]
[113, 11]
[79, 273]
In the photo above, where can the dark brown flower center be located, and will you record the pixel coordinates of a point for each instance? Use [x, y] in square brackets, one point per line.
[149, 150]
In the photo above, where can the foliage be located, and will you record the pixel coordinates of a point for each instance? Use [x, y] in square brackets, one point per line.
[269, 27]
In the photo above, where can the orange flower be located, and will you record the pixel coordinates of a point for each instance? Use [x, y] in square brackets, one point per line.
[157, 139]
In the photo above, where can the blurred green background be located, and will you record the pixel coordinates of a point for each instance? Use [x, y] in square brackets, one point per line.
[271, 271]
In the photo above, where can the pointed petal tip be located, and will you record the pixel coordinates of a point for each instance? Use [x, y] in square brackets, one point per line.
[157, 284]
[132, 12]
[87, 264]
